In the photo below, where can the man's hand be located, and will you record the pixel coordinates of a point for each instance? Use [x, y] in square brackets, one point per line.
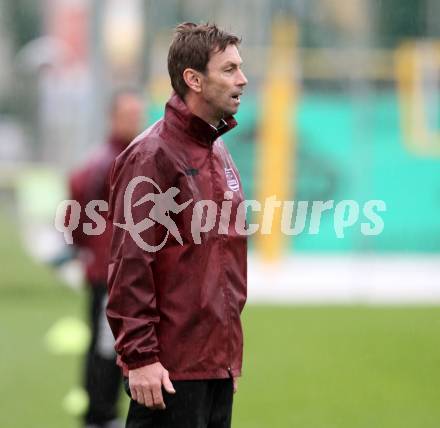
[146, 385]
[235, 383]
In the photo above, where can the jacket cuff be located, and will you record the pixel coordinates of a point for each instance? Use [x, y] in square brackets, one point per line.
[141, 363]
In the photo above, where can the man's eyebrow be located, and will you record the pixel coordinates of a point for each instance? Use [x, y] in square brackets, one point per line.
[234, 64]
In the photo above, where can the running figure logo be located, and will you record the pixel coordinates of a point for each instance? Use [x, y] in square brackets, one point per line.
[164, 203]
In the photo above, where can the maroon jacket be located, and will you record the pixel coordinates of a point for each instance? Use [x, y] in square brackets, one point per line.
[180, 305]
[91, 182]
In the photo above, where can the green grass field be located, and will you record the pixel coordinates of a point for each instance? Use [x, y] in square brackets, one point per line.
[305, 367]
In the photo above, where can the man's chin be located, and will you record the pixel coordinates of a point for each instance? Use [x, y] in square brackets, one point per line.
[231, 111]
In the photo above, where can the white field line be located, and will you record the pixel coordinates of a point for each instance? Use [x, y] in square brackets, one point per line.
[346, 279]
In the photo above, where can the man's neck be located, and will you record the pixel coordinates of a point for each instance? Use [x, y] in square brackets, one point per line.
[200, 109]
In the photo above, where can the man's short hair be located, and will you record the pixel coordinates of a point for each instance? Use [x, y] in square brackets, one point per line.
[192, 47]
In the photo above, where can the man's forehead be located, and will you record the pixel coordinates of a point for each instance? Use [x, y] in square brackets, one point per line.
[229, 55]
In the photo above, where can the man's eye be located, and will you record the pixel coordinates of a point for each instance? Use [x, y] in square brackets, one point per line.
[228, 70]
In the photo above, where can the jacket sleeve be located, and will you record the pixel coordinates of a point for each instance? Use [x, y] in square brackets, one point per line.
[132, 310]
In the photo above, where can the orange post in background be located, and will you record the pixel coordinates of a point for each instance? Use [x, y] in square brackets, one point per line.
[277, 140]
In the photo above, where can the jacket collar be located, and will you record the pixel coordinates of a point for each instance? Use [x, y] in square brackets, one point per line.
[179, 116]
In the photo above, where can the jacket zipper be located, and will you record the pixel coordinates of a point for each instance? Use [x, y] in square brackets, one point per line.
[225, 289]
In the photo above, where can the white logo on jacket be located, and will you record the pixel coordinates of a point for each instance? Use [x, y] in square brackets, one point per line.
[231, 179]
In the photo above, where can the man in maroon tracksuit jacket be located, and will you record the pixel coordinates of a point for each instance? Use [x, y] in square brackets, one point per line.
[176, 291]
[90, 182]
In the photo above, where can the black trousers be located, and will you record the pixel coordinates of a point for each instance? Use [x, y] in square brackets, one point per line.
[196, 404]
[102, 377]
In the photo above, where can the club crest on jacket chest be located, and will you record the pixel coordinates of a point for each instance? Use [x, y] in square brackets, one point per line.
[231, 179]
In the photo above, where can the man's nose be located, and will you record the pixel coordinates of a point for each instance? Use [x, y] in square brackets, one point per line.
[242, 80]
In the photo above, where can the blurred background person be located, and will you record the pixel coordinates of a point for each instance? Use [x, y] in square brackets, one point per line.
[102, 378]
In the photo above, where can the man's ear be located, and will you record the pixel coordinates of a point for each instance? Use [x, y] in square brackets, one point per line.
[193, 79]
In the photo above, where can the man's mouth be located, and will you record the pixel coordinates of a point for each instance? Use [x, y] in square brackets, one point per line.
[236, 97]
